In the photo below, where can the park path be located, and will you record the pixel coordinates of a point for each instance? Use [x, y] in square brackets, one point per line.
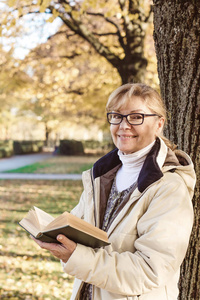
[18, 161]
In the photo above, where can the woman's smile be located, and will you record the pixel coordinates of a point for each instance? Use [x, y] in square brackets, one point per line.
[126, 136]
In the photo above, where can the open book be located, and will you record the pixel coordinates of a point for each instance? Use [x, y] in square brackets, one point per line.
[46, 228]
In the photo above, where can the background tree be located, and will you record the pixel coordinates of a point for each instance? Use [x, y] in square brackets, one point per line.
[13, 83]
[71, 79]
[69, 82]
[177, 42]
[115, 29]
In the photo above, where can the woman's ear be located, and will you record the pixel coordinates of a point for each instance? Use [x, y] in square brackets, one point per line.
[160, 125]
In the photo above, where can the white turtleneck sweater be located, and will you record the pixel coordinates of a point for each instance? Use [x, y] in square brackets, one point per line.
[131, 167]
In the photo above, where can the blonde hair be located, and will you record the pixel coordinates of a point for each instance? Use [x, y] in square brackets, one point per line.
[125, 93]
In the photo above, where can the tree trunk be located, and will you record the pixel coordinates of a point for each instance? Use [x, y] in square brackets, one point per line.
[177, 43]
[133, 67]
[47, 132]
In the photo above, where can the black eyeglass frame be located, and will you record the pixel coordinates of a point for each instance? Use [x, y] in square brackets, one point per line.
[125, 116]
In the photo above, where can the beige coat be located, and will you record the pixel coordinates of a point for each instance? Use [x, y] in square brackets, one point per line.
[150, 235]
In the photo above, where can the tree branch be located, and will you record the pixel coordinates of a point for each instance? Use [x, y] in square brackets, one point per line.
[118, 33]
[104, 34]
[87, 35]
[61, 32]
[79, 28]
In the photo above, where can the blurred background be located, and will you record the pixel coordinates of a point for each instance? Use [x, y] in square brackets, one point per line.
[59, 61]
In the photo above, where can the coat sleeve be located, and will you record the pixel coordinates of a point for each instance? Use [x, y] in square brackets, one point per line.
[163, 236]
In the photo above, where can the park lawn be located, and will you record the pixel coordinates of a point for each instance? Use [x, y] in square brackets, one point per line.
[28, 272]
[59, 165]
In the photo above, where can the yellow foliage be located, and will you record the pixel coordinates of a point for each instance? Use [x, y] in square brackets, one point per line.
[75, 14]
[67, 7]
[11, 2]
[133, 17]
[20, 11]
[65, 84]
[109, 14]
[44, 5]
[51, 19]
[89, 4]
[55, 14]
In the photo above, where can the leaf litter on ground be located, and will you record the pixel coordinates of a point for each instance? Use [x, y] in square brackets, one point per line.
[28, 272]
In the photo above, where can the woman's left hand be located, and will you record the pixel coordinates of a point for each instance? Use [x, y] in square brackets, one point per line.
[62, 251]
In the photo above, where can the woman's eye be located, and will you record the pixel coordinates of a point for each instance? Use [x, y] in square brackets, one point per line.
[116, 116]
[135, 117]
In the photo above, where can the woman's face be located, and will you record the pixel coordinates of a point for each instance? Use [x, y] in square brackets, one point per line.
[130, 138]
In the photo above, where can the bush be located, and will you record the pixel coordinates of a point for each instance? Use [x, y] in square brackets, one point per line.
[6, 148]
[70, 147]
[97, 146]
[25, 147]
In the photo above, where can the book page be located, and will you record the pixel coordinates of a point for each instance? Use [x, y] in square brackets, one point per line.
[86, 227]
[43, 218]
[60, 221]
[29, 226]
[32, 217]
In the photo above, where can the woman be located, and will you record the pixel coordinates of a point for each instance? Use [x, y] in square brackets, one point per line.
[140, 193]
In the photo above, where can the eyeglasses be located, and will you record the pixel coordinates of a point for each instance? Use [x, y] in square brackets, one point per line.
[132, 119]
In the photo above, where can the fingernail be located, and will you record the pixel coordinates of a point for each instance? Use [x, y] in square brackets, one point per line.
[59, 237]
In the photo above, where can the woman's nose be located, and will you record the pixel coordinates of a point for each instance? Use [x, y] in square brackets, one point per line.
[124, 123]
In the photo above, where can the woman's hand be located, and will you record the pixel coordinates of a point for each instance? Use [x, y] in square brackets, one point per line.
[62, 251]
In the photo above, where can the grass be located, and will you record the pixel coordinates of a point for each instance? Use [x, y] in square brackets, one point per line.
[28, 272]
[59, 165]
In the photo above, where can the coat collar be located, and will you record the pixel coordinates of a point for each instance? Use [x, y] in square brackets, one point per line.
[151, 170]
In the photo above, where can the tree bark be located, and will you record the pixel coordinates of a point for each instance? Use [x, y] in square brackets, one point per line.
[177, 43]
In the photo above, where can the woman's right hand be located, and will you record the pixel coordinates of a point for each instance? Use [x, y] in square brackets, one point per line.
[62, 251]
